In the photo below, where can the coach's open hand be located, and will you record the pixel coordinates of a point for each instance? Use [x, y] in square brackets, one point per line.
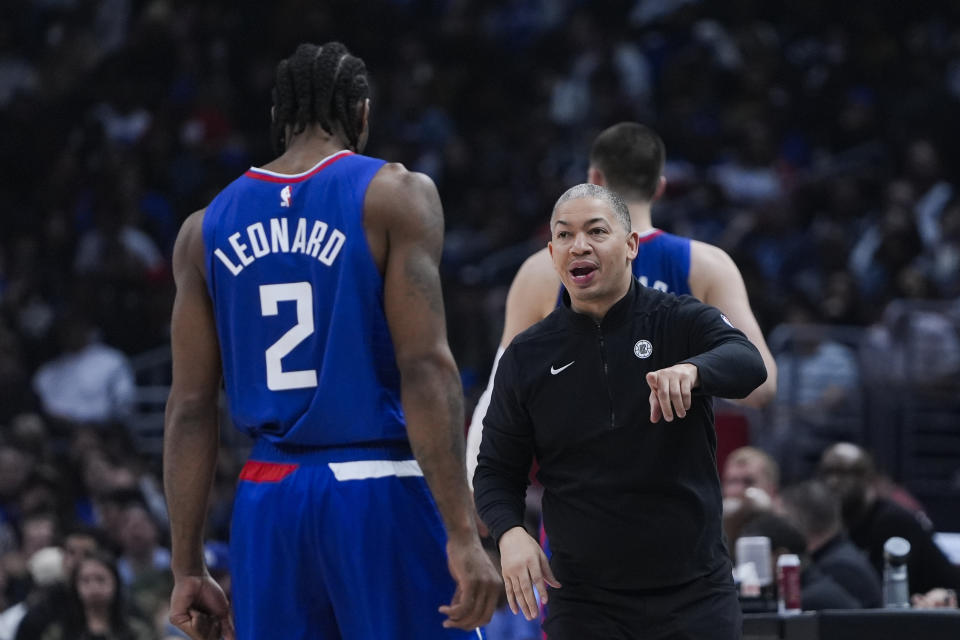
[478, 585]
[670, 391]
[199, 608]
[524, 566]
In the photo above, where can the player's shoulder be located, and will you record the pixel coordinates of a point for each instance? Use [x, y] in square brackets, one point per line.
[710, 256]
[193, 224]
[188, 248]
[395, 178]
[710, 268]
[537, 271]
[403, 196]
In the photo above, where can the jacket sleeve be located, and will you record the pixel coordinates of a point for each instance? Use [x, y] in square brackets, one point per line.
[506, 452]
[728, 364]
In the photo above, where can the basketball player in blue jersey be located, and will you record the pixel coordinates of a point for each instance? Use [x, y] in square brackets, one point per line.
[311, 288]
[628, 158]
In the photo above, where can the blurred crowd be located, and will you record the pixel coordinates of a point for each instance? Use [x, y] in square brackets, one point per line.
[837, 523]
[812, 141]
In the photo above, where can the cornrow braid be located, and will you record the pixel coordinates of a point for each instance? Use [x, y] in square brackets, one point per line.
[349, 94]
[324, 75]
[324, 85]
[302, 67]
[282, 105]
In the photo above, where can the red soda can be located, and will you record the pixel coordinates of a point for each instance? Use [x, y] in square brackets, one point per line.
[788, 583]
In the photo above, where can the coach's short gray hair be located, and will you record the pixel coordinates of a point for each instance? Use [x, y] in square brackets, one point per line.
[616, 204]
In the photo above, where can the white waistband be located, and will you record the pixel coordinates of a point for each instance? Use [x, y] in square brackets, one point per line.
[365, 469]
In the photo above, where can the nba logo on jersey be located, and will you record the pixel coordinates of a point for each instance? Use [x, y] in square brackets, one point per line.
[285, 194]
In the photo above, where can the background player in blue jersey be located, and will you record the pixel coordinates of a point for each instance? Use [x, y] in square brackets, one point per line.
[628, 158]
[311, 287]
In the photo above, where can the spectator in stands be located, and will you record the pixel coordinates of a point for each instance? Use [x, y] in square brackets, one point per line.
[871, 519]
[38, 530]
[10, 614]
[47, 576]
[144, 564]
[817, 589]
[15, 465]
[98, 607]
[51, 604]
[141, 552]
[945, 256]
[90, 382]
[815, 511]
[750, 483]
[923, 169]
[749, 467]
[821, 377]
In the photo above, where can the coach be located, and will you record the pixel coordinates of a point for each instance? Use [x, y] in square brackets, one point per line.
[632, 502]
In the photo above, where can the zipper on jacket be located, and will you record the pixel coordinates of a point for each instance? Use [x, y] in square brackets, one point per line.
[606, 375]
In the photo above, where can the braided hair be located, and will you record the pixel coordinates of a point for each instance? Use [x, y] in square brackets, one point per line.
[324, 85]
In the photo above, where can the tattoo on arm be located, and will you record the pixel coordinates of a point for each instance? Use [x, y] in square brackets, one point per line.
[424, 282]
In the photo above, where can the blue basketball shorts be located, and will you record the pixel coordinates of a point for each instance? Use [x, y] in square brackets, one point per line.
[334, 544]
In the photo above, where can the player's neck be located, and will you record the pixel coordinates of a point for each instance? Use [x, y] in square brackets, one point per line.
[640, 218]
[305, 150]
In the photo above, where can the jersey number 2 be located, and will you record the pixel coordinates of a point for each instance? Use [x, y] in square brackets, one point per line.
[302, 294]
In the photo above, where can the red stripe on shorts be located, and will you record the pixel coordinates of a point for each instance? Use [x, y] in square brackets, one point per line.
[255, 471]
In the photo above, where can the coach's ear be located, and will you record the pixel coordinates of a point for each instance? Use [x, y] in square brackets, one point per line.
[633, 245]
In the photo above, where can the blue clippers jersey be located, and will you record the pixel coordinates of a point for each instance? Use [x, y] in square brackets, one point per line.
[662, 262]
[298, 301]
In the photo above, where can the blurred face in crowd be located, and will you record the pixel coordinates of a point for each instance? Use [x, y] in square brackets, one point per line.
[848, 471]
[76, 547]
[97, 472]
[96, 585]
[743, 473]
[14, 469]
[592, 252]
[38, 532]
[138, 533]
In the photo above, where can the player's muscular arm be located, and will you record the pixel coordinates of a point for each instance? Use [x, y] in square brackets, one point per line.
[407, 208]
[410, 210]
[716, 280]
[191, 437]
[191, 429]
[532, 295]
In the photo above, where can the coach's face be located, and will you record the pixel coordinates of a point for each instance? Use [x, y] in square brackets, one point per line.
[592, 252]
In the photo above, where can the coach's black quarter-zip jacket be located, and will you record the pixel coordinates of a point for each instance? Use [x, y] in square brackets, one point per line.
[627, 503]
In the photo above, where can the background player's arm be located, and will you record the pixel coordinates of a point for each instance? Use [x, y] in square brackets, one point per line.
[532, 296]
[409, 208]
[716, 280]
[191, 438]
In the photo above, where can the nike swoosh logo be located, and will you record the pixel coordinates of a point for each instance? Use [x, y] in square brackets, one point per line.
[556, 371]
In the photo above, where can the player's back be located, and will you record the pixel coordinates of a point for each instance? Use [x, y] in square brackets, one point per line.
[298, 300]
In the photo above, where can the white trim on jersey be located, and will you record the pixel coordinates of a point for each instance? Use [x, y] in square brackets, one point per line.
[366, 469]
[289, 176]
